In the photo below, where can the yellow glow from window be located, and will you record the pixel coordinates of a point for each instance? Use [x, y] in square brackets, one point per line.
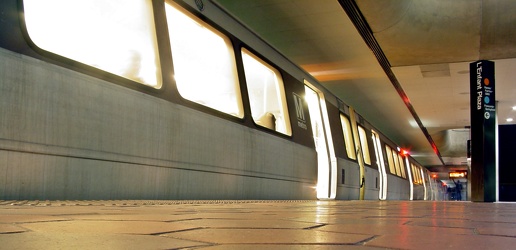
[266, 94]
[402, 166]
[364, 145]
[204, 63]
[117, 36]
[396, 162]
[348, 137]
[388, 151]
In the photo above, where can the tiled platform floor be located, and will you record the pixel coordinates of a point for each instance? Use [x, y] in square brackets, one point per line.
[256, 225]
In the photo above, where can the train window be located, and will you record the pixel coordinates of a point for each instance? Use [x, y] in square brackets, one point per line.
[418, 172]
[116, 36]
[266, 94]
[420, 177]
[348, 137]
[396, 162]
[204, 62]
[388, 151]
[415, 174]
[364, 145]
[402, 166]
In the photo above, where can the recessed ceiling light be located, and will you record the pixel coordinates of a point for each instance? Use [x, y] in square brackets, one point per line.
[509, 120]
[514, 108]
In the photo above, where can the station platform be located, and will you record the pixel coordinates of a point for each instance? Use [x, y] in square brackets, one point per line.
[248, 224]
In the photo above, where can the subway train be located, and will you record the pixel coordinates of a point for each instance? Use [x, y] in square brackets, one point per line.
[162, 99]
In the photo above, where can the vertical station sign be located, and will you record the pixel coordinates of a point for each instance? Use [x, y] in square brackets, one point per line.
[483, 131]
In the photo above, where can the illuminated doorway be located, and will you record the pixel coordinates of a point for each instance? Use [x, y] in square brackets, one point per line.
[326, 160]
[381, 166]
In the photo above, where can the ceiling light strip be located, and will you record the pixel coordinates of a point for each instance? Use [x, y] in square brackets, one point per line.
[355, 15]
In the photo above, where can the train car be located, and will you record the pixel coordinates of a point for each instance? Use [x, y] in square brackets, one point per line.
[162, 99]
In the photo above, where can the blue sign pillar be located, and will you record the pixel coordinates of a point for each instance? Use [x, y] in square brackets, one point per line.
[483, 131]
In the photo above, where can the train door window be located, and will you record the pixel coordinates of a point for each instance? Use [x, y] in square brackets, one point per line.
[116, 36]
[418, 175]
[348, 137]
[415, 174]
[402, 166]
[382, 195]
[204, 62]
[326, 159]
[396, 162]
[388, 152]
[266, 94]
[414, 179]
[364, 145]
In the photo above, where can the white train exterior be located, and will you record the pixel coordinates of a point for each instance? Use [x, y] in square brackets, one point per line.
[71, 129]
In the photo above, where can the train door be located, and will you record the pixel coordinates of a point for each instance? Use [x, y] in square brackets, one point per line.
[326, 160]
[359, 152]
[381, 166]
[412, 177]
[424, 178]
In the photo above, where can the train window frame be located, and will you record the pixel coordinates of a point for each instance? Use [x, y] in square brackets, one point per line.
[277, 117]
[418, 175]
[364, 144]
[191, 75]
[392, 167]
[396, 162]
[415, 174]
[119, 43]
[402, 166]
[348, 137]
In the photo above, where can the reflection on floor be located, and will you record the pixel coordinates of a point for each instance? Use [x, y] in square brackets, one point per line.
[256, 224]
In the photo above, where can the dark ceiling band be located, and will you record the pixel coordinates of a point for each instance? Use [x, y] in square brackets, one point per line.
[354, 14]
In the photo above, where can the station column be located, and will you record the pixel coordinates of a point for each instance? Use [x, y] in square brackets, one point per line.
[483, 131]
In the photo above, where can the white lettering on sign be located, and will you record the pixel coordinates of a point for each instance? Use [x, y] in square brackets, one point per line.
[300, 113]
[479, 86]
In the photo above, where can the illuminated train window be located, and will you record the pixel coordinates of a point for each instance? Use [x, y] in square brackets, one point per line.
[402, 166]
[365, 147]
[396, 162]
[204, 62]
[348, 137]
[420, 178]
[416, 174]
[266, 94]
[116, 36]
[392, 167]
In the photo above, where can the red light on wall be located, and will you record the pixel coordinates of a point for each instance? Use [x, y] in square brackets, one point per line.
[404, 152]
[434, 176]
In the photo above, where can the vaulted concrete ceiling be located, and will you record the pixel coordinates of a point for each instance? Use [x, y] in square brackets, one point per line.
[428, 44]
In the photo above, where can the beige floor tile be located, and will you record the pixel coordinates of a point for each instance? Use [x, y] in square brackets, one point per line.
[268, 236]
[84, 241]
[505, 230]
[390, 229]
[443, 241]
[243, 223]
[10, 229]
[131, 217]
[257, 225]
[289, 247]
[121, 227]
[23, 218]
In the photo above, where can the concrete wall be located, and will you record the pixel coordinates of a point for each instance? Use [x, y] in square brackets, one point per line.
[65, 135]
